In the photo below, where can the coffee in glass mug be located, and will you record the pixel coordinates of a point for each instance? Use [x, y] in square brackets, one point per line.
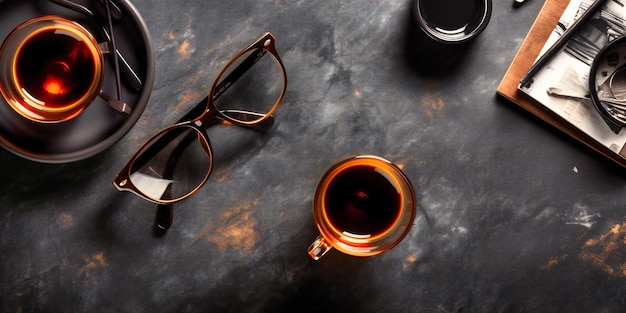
[363, 206]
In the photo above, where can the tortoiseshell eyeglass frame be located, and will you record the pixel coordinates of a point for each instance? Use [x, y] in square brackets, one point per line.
[203, 115]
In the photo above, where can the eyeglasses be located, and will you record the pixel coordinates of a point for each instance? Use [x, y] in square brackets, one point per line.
[176, 162]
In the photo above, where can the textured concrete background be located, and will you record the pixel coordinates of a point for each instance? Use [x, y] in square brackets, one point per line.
[513, 216]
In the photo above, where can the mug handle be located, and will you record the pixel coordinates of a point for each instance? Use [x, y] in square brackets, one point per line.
[319, 247]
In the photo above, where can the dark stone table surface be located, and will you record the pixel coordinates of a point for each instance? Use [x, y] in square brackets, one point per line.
[513, 216]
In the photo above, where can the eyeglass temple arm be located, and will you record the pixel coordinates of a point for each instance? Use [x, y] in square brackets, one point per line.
[116, 61]
[165, 212]
[164, 217]
[116, 12]
[74, 7]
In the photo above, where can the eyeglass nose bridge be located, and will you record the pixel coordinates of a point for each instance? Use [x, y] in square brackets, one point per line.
[207, 118]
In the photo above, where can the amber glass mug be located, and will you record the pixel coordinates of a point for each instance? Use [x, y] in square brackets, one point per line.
[363, 206]
[51, 69]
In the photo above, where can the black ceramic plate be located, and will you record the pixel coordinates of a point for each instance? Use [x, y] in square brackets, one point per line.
[99, 126]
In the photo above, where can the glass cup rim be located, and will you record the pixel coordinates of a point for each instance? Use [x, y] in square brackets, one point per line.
[371, 245]
[10, 87]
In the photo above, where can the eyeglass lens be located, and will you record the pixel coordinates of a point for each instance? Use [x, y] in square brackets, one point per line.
[257, 90]
[176, 169]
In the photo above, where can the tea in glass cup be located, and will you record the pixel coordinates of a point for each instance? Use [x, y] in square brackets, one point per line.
[50, 69]
[363, 206]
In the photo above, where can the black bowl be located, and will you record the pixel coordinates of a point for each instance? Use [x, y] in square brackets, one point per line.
[98, 127]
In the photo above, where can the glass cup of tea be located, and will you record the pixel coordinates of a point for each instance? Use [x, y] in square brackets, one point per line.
[51, 69]
[363, 206]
